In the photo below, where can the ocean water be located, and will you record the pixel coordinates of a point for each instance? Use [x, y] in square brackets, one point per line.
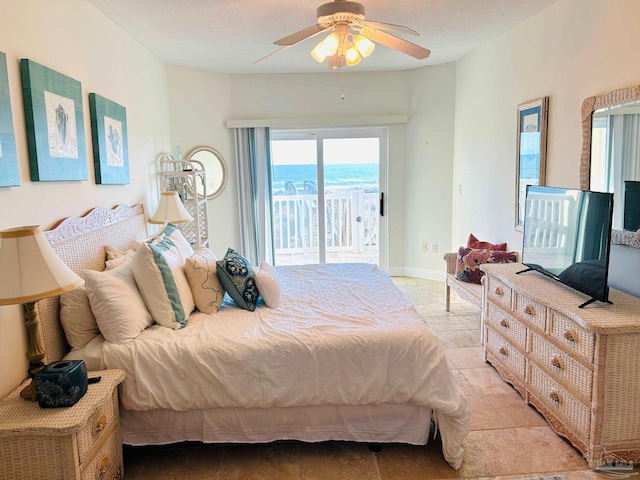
[337, 177]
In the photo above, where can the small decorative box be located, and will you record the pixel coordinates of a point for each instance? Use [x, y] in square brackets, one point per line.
[61, 384]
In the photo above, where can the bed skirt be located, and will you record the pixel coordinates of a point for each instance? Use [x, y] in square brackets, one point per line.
[384, 423]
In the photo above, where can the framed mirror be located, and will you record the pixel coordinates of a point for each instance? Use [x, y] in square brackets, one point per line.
[610, 159]
[215, 168]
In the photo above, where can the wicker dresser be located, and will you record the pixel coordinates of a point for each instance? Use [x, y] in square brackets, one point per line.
[580, 367]
[79, 442]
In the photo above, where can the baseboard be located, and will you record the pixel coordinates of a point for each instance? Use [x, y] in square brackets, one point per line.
[424, 273]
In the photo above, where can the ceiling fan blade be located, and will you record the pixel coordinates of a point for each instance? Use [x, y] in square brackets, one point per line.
[399, 44]
[301, 35]
[391, 27]
[281, 49]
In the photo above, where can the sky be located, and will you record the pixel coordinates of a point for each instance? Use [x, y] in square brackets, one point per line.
[336, 150]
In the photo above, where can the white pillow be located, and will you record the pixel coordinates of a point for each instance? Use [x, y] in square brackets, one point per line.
[77, 319]
[200, 269]
[159, 272]
[116, 303]
[268, 285]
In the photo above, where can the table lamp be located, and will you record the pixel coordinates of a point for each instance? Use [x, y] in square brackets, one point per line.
[170, 210]
[30, 270]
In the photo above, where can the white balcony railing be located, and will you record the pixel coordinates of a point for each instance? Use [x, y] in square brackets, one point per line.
[351, 222]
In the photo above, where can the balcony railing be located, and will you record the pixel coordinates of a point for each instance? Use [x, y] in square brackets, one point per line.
[351, 222]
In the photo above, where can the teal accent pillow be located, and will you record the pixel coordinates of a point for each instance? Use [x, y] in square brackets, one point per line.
[238, 279]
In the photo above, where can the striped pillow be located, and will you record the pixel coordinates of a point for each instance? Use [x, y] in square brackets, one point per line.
[158, 268]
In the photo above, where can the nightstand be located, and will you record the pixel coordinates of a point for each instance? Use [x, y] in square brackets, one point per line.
[78, 442]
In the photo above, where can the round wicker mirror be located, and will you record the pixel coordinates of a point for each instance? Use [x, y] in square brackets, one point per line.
[215, 167]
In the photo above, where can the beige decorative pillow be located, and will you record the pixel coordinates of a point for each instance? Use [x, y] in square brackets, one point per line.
[77, 319]
[200, 269]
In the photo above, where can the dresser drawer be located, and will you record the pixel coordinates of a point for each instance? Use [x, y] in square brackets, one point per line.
[572, 335]
[559, 401]
[98, 425]
[106, 464]
[498, 291]
[561, 365]
[506, 325]
[533, 312]
[506, 353]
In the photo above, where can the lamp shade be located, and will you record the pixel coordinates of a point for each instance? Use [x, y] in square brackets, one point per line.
[30, 270]
[170, 210]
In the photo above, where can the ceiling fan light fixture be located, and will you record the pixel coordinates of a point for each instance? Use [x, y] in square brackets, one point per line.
[319, 52]
[331, 44]
[364, 45]
[351, 56]
[336, 62]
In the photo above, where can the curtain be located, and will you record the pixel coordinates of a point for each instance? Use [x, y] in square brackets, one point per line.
[625, 152]
[253, 157]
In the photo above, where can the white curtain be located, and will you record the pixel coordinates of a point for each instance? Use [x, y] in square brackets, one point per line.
[253, 156]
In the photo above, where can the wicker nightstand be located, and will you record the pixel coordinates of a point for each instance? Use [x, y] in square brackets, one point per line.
[79, 442]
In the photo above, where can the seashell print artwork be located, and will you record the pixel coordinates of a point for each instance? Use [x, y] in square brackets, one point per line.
[61, 125]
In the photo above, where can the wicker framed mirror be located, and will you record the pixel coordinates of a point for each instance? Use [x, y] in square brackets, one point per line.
[215, 167]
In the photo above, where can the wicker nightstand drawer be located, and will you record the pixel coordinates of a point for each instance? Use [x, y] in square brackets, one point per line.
[559, 401]
[63, 443]
[533, 312]
[506, 353]
[572, 335]
[97, 426]
[498, 291]
[562, 366]
[507, 325]
[107, 462]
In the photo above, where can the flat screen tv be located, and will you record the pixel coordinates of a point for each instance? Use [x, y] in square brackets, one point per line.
[567, 236]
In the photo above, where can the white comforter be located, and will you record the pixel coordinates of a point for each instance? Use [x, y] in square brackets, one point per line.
[342, 335]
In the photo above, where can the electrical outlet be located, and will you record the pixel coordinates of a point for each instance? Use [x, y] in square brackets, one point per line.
[425, 246]
[434, 247]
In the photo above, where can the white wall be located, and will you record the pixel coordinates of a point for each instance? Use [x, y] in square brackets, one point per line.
[428, 169]
[308, 97]
[73, 38]
[571, 50]
[199, 105]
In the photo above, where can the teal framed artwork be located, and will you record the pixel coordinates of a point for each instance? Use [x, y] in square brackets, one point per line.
[109, 139]
[9, 173]
[55, 125]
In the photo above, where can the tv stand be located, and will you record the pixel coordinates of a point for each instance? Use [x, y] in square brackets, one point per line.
[591, 300]
[578, 367]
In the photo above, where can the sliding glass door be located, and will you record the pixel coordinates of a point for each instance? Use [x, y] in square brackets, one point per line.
[340, 170]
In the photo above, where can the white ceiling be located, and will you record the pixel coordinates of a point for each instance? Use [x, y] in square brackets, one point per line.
[229, 35]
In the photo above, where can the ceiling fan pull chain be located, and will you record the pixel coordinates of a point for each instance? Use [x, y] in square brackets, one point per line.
[342, 83]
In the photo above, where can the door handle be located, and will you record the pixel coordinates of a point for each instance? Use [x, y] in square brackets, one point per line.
[382, 204]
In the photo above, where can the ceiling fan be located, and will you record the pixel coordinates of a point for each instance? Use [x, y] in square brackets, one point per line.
[351, 38]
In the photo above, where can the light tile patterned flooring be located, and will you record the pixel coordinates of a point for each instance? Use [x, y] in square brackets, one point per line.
[508, 438]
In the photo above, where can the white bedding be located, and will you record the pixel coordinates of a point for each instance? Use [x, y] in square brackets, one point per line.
[342, 335]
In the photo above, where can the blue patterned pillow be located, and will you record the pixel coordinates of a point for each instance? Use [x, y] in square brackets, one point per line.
[238, 279]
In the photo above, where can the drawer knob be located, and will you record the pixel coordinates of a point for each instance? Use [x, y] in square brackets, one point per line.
[103, 468]
[555, 361]
[555, 396]
[503, 351]
[499, 291]
[529, 310]
[504, 323]
[99, 424]
[568, 334]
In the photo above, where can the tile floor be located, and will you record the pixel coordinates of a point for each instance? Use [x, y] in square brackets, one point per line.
[508, 438]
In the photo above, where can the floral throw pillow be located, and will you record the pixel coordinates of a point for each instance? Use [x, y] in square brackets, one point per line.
[238, 279]
[470, 259]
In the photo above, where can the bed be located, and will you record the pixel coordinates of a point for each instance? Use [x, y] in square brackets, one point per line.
[330, 363]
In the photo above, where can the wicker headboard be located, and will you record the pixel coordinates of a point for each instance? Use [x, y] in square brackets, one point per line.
[79, 242]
